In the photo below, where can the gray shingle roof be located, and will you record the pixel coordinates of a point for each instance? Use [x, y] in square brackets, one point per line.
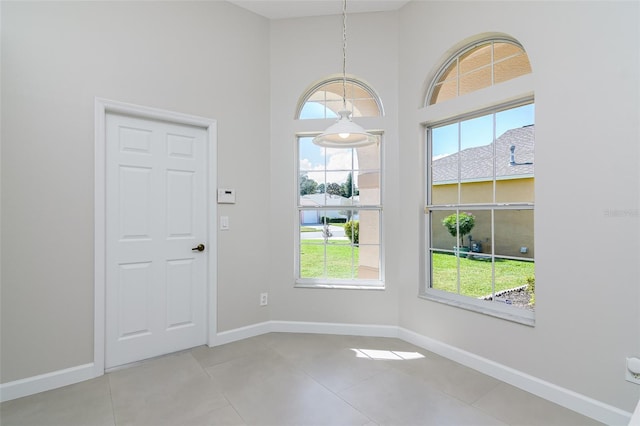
[476, 163]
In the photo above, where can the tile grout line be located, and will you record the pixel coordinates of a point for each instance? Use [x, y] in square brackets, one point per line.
[113, 408]
[223, 393]
[348, 387]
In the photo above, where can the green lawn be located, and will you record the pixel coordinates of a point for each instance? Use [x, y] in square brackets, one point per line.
[342, 259]
[309, 229]
[475, 275]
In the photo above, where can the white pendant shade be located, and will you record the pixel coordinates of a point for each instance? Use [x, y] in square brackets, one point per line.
[344, 134]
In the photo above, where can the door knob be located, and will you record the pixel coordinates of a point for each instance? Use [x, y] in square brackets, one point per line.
[199, 247]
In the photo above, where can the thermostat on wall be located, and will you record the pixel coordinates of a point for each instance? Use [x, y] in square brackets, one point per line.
[226, 196]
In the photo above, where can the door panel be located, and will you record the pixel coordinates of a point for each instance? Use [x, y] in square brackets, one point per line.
[134, 284]
[156, 285]
[180, 205]
[180, 285]
[135, 203]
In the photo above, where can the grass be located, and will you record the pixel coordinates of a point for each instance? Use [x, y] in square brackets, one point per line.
[308, 229]
[475, 275]
[341, 259]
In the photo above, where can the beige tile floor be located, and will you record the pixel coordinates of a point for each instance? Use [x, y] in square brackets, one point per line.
[291, 379]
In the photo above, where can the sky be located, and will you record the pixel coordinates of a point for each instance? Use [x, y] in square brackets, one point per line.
[312, 157]
[339, 162]
[473, 132]
[479, 131]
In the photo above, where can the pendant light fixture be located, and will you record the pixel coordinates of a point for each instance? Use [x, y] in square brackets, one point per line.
[344, 133]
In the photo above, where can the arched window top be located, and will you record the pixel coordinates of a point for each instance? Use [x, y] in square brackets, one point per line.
[476, 66]
[324, 99]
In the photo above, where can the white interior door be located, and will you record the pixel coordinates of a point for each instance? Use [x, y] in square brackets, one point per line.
[156, 214]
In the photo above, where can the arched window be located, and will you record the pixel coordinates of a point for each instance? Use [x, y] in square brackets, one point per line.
[478, 66]
[324, 99]
[339, 200]
[479, 212]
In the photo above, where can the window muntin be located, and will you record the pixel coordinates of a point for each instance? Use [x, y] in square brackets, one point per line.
[337, 187]
[478, 66]
[473, 171]
[324, 100]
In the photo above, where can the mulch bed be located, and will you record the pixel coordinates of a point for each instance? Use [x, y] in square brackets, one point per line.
[518, 297]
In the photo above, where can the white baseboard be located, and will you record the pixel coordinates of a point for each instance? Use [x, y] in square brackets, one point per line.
[241, 333]
[334, 328]
[582, 404]
[303, 327]
[45, 382]
[571, 400]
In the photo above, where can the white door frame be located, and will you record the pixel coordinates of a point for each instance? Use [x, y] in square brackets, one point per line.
[102, 107]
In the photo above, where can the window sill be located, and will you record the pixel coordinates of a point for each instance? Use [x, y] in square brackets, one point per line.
[341, 285]
[493, 309]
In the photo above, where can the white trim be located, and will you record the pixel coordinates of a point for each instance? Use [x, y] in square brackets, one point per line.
[99, 238]
[102, 107]
[569, 399]
[372, 330]
[497, 310]
[45, 382]
[304, 327]
[515, 90]
[635, 418]
[242, 333]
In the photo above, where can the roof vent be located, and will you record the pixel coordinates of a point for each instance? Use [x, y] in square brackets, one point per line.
[512, 158]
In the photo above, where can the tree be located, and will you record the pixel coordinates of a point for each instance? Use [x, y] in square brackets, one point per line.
[307, 186]
[320, 188]
[334, 189]
[463, 222]
[347, 187]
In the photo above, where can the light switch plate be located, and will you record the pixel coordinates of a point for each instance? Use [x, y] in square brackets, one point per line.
[224, 223]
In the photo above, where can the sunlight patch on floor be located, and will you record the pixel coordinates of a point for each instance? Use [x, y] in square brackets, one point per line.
[378, 354]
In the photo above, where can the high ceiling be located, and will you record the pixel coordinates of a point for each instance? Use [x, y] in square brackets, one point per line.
[280, 9]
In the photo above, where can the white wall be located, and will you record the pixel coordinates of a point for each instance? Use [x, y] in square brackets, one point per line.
[215, 60]
[304, 51]
[585, 67]
[204, 58]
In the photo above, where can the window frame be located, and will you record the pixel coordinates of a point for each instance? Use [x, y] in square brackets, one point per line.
[311, 127]
[340, 283]
[498, 310]
[314, 87]
[455, 58]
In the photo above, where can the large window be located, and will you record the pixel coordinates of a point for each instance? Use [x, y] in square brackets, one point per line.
[339, 203]
[479, 213]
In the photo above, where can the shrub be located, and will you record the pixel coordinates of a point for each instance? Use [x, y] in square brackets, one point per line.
[352, 231]
[327, 219]
[531, 288]
[531, 284]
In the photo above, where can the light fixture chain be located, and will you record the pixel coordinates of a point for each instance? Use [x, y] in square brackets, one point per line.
[344, 55]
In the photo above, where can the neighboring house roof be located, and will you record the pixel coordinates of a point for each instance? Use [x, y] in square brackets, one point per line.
[476, 163]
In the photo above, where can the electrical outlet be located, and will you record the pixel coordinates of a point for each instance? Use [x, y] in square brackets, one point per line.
[632, 372]
[264, 299]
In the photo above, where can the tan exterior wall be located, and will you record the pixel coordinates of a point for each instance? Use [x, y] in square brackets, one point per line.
[369, 187]
[515, 227]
